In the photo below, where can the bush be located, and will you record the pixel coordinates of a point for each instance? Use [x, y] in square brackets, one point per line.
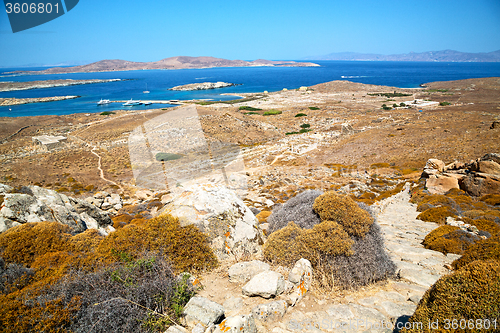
[469, 293]
[291, 133]
[250, 113]
[305, 126]
[272, 112]
[305, 130]
[491, 199]
[24, 243]
[313, 108]
[107, 113]
[298, 209]
[249, 108]
[487, 249]
[301, 115]
[448, 239]
[444, 103]
[436, 214]
[343, 210]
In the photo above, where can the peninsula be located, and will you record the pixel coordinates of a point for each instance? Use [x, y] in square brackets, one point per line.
[14, 86]
[180, 62]
[203, 86]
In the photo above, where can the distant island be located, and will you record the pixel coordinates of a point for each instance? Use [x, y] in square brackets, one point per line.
[202, 86]
[168, 63]
[434, 56]
[14, 86]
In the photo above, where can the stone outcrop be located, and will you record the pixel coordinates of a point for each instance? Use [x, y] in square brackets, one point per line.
[230, 225]
[111, 203]
[36, 204]
[203, 86]
[432, 167]
[202, 310]
[242, 272]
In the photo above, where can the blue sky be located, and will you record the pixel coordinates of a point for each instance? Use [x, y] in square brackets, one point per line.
[153, 30]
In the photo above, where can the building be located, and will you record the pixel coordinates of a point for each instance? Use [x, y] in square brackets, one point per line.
[49, 142]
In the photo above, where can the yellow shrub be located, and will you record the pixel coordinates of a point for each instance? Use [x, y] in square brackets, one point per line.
[487, 249]
[437, 233]
[343, 210]
[437, 214]
[283, 247]
[491, 199]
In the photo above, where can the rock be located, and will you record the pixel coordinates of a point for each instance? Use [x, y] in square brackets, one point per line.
[301, 277]
[272, 311]
[489, 167]
[202, 310]
[199, 328]
[143, 194]
[232, 305]
[266, 284]
[432, 167]
[479, 184]
[454, 166]
[254, 210]
[166, 198]
[242, 272]
[491, 157]
[495, 124]
[202, 86]
[440, 184]
[176, 329]
[237, 324]
[230, 225]
[418, 276]
[38, 204]
[101, 195]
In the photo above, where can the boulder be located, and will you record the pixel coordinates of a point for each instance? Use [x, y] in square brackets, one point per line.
[242, 272]
[432, 167]
[489, 167]
[266, 284]
[454, 166]
[479, 184]
[495, 124]
[237, 324]
[202, 310]
[491, 157]
[176, 329]
[232, 305]
[36, 204]
[301, 277]
[272, 311]
[216, 210]
[440, 184]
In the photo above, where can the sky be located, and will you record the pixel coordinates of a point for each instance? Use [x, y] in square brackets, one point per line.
[151, 30]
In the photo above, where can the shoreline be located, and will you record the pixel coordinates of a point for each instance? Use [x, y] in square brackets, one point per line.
[8, 86]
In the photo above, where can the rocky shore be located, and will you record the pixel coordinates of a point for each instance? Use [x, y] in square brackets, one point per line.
[14, 86]
[18, 101]
[203, 86]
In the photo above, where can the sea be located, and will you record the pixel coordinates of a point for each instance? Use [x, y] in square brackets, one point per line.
[248, 79]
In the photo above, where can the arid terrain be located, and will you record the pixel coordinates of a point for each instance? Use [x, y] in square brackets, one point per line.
[347, 126]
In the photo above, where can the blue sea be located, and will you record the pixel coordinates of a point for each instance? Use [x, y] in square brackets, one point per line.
[249, 79]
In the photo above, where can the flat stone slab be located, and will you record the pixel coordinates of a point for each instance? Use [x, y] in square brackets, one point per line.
[419, 276]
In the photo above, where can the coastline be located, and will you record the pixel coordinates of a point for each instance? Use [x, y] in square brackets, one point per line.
[7, 86]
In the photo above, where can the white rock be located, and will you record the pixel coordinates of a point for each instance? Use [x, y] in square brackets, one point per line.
[202, 310]
[242, 272]
[237, 324]
[176, 329]
[266, 284]
[301, 277]
[272, 311]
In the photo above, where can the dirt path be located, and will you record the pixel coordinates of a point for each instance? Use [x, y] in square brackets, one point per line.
[102, 171]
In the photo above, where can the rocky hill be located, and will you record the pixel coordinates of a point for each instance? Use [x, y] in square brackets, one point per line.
[180, 62]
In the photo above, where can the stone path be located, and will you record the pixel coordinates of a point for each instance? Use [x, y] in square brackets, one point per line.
[379, 308]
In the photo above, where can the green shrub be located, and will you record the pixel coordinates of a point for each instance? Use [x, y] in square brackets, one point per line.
[402, 104]
[444, 103]
[301, 115]
[487, 249]
[107, 113]
[305, 130]
[471, 293]
[343, 210]
[305, 126]
[313, 108]
[272, 112]
[167, 156]
[250, 113]
[249, 108]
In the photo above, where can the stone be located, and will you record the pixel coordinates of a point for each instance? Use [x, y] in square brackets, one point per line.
[272, 311]
[202, 310]
[495, 124]
[199, 328]
[176, 329]
[491, 157]
[301, 277]
[340, 312]
[242, 272]
[101, 195]
[237, 324]
[266, 284]
[232, 305]
[479, 184]
[418, 276]
[440, 184]
[38, 204]
[489, 167]
[432, 167]
[217, 211]
[143, 194]
[396, 310]
[454, 166]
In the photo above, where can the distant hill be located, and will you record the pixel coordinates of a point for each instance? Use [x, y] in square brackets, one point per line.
[168, 63]
[441, 56]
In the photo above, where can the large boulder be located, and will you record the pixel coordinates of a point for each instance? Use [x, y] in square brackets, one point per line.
[202, 310]
[266, 284]
[36, 204]
[242, 272]
[479, 184]
[440, 184]
[230, 225]
[433, 167]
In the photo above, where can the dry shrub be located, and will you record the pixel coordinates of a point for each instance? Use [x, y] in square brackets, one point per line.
[262, 216]
[491, 199]
[282, 246]
[486, 225]
[456, 192]
[186, 247]
[343, 210]
[469, 293]
[327, 238]
[487, 249]
[24, 243]
[86, 241]
[436, 200]
[121, 220]
[390, 193]
[436, 214]
[298, 209]
[448, 240]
